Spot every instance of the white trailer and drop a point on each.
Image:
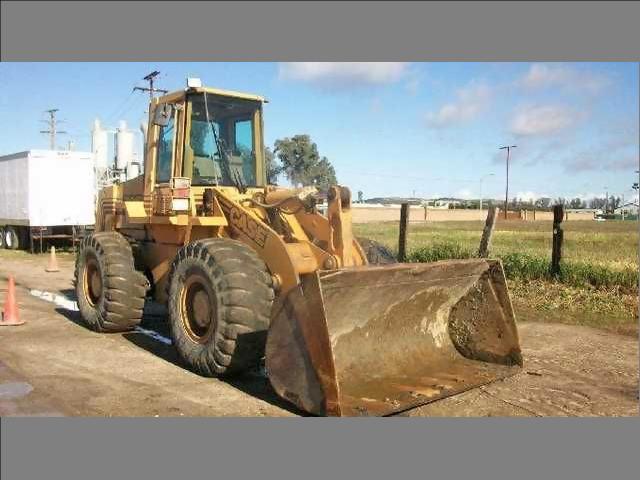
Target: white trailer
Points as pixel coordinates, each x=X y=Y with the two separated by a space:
x=45 y=194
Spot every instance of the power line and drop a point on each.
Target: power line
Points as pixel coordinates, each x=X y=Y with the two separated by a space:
x=119 y=107
x=53 y=127
x=125 y=109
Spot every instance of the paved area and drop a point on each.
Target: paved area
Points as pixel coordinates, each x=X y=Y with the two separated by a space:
x=53 y=365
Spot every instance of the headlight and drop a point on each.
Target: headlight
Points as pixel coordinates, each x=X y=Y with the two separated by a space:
x=180 y=204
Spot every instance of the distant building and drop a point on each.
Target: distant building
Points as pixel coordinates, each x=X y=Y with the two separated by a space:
x=595 y=211
x=442 y=204
x=630 y=208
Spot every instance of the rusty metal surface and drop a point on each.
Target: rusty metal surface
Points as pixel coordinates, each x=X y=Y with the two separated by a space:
x=377 y=340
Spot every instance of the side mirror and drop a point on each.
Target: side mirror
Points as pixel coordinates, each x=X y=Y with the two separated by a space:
x=162 y=114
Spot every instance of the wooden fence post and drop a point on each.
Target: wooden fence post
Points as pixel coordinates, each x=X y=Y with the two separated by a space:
x=402 y=236
x=487 y=233
x=558 y=236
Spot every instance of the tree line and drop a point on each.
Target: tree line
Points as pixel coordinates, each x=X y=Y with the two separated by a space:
x=543 y=203
x=298 y=159
x=547 y=203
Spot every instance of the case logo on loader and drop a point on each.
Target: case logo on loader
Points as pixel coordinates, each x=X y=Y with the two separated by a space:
x=247 y=225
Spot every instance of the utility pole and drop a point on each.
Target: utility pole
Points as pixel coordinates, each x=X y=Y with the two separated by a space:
x=151 y=89
x=506 y=192
x=53 y=127
x=636 y=187
x=606 y=200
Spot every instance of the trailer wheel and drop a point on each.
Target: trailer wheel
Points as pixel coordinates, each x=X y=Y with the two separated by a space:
x=377 y=254
x=2 y=244
x=220 y=298
x=110 y=291
x=12 y=238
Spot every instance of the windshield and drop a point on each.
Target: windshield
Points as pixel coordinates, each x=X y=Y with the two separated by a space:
x=222 y=149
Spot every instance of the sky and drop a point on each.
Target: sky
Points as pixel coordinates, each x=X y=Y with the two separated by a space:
x=389 y=129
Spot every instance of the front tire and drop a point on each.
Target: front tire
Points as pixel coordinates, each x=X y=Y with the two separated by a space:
x=12 y=238
x=110 y=291
x=2 y=244
x=220 y=298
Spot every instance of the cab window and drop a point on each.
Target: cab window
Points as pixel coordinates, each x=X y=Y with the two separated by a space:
x=165 y=152
x=222 y=147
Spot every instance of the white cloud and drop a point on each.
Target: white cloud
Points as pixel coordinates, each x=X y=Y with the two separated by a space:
x=600 y=159
x=343 y=74
x=470 y=102
x=542 y=75
x=543 y=120
x=464 y=193
x=628 y=163
x=531 y=196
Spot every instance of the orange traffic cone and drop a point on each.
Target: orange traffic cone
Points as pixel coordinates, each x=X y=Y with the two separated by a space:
x=53 y=263
x=10 y=316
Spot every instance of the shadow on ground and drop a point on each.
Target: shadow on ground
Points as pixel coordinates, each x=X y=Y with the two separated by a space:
x=253 y=383
x=72 y=317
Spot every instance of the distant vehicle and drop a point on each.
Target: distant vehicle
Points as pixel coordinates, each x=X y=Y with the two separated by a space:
x=45 y=194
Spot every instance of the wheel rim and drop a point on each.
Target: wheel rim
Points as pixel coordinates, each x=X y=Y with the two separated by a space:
x=8 y=239
x=92 y=281
x=198 y=306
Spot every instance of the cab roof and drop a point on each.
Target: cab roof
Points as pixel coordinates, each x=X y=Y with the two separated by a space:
x=212 y=91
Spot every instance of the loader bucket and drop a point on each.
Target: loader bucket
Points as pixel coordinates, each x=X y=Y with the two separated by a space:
x=377 y=340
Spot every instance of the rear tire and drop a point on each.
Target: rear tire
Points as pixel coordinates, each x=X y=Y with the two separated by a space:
x=110 y=291
x=12 y=238
x=2 y=244
x=377 y=254
x=220 y=297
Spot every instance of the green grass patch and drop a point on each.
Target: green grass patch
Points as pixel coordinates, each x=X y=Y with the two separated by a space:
x=606 y=308
x=525 y=266
x=439 y=251
x=613 y=244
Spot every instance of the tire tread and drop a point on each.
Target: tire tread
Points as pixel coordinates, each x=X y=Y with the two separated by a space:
x=245 y=295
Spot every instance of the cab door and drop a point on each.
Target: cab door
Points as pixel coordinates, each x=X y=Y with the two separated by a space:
x=165 y=154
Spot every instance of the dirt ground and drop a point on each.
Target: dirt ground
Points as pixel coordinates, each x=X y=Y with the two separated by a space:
x=54 y=366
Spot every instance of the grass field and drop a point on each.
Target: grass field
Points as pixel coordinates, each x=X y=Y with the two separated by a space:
x=598 y=284
x=613 y=244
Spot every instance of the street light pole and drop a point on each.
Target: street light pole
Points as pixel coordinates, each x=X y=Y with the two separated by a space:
x=482 y=178
x=506 y=191
x=636 y=187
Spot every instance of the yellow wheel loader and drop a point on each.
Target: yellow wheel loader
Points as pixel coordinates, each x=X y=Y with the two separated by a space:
x=250 y=270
